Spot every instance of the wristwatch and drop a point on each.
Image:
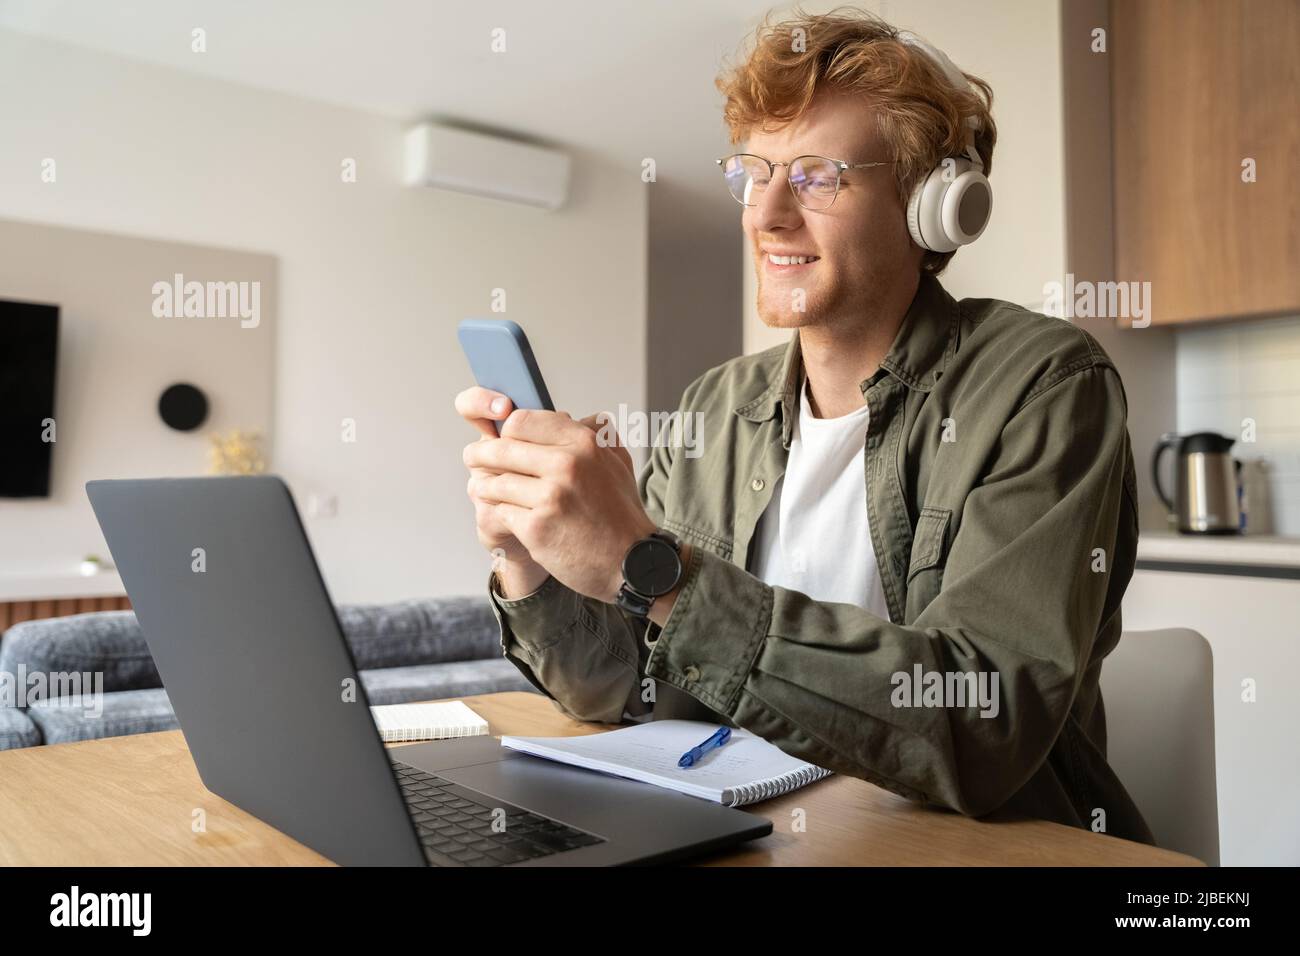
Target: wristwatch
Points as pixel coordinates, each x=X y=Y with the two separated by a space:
x=651 y=568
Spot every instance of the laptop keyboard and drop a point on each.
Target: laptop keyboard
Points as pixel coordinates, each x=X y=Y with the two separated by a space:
x=455 y=825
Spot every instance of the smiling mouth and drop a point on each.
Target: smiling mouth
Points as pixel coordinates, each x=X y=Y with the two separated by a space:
x=791 y=260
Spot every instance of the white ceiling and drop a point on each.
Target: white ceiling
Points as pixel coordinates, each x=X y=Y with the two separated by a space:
x=626 y=79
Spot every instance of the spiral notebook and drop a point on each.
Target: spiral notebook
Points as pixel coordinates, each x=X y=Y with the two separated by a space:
x=744 y=770
x=436 y=721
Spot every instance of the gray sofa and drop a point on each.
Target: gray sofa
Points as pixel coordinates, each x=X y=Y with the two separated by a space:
x=406 y=651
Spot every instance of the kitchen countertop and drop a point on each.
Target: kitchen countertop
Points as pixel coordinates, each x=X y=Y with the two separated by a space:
x=1251 y=554
x=1270 y=555
x=56 y=585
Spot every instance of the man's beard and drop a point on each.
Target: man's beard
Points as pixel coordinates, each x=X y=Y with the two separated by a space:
x=776 y=308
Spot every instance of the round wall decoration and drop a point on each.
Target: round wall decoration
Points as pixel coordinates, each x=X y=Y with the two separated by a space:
x=183 y=407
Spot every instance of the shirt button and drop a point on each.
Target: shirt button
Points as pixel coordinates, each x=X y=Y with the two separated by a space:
x=692 y=673
x=757 y=484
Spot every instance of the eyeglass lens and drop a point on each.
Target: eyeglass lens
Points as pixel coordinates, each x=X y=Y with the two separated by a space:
x=814 y=179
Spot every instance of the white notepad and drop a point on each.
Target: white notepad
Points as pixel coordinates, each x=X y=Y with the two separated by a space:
x=744 y=770
x=437 y=721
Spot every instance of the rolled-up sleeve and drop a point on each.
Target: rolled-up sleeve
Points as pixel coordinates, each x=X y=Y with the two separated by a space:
x=575 y=654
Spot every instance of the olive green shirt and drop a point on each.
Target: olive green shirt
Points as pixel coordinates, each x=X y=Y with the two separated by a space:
x=1001 y=497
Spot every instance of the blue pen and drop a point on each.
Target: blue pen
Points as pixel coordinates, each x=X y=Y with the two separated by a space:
x=692 y=756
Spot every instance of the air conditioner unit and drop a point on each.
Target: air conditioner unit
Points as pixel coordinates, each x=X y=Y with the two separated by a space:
x=483 y=165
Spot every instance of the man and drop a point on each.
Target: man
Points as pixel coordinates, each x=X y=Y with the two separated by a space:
x=902 y=550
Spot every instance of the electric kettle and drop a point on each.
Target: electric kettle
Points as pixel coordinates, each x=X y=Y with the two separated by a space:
x=1206 y=497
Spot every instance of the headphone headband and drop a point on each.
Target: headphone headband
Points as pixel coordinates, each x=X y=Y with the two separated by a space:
x=941 y=59
x=946 y=211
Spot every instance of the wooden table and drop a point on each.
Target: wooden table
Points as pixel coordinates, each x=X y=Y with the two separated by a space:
x=132 y=801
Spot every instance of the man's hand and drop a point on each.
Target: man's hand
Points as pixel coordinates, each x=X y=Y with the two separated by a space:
x=517 y=573
x=571 y=504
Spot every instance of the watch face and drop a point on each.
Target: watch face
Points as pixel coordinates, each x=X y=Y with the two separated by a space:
x=652 y=567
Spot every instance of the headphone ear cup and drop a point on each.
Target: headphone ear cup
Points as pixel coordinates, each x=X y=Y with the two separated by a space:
x=925 y=209
x=950 y=207
x=914 y=214
x=967 y=207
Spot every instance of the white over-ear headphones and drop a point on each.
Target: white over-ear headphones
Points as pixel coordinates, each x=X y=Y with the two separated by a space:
x=951 y=206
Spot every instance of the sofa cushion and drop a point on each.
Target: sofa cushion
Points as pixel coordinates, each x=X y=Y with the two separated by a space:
x=426 y=631
x=144 y=711
x=66 y=719
x=110 y=642
x=17 y=729
x=402 y=685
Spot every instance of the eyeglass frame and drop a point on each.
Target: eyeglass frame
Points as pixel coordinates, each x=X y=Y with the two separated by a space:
x=840 y=167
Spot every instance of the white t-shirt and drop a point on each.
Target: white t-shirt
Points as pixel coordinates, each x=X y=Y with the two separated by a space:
x=815 y=536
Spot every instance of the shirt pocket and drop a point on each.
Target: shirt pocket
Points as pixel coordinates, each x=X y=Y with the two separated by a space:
x=929 y=548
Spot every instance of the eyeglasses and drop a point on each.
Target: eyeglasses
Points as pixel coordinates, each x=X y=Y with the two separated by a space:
x=814 y=180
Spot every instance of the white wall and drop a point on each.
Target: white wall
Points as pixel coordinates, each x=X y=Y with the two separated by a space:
x=1015 y=46
x=373 y=278
x=694 y=297
x=115 y=357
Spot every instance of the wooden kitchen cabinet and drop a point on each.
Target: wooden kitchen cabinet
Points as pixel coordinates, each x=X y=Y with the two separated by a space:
x=1197 y=88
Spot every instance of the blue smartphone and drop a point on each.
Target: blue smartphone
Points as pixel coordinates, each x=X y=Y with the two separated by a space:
x=501 y=360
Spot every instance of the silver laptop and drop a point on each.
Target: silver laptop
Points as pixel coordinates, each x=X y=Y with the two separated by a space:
x=244 y=634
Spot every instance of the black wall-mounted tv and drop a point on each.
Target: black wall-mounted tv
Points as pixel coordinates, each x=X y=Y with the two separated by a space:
x=29 y=343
